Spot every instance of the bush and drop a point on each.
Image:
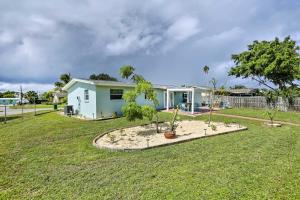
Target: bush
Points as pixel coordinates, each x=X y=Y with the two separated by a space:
x=132 y=111
x=114 y=115
x=213 y=127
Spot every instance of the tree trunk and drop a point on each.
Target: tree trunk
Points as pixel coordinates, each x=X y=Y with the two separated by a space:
x=156 y=123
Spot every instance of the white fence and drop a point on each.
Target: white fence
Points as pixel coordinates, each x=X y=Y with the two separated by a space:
x=255 y=102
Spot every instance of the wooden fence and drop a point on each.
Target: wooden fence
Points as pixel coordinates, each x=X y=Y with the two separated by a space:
x=254 y=102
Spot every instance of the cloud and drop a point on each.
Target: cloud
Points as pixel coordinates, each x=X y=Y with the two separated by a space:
x=25 y=87
x=183 y=28
x=167 y=41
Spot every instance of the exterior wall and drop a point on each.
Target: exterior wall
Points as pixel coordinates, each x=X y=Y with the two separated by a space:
x=198 y=98
x=84 y=108
x=106 y=107
x=178 y=98
x=9 y=101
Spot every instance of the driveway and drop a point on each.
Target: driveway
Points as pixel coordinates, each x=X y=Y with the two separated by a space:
x=19 y=111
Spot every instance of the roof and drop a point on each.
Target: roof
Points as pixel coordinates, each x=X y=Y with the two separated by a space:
x=124 y=84
x=187 y=88
x=106 y=83
x=60 y=94
x=242 y=91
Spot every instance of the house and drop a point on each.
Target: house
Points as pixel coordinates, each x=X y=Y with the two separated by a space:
x=9 y=101
x=95 y=99
x=58 y=96
x=243 y=92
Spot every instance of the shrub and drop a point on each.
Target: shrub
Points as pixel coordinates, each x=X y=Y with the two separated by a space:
x=114 y=115
x=213 y=127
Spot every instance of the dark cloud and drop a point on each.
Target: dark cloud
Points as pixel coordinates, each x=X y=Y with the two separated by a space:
x=167 y=41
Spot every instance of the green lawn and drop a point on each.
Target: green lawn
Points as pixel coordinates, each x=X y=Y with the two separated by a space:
x=259 y=113
x=30 y=106
x=51 y=157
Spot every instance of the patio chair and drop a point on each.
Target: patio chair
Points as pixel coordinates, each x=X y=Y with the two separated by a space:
x=184 y=107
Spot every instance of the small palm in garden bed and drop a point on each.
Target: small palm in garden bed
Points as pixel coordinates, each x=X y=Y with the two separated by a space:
x=170 y=134
x=271 y=115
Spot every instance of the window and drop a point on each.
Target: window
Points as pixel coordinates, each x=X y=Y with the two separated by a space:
x=86 y=95
x=184 y=97
x=116 y=94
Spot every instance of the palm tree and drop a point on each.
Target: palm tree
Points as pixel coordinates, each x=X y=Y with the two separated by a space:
x=213 y=81
x=65 y=78
x=205 y=69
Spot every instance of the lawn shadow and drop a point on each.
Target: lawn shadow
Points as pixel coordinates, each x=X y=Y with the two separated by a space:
x=44 y=112
x=9 y=118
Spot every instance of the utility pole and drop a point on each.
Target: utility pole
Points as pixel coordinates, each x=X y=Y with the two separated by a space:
x=21 y=97
x=34 y=106
x=4 y=114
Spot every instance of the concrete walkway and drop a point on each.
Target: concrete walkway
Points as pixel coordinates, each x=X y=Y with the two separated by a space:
x=253 y=118
x=10 y=111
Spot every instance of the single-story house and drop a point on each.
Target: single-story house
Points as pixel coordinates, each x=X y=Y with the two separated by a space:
x=95 y=99
x=58 y=96
x=243 y=92
x=9 y=101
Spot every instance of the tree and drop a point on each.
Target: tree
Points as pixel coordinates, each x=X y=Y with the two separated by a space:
x=64 y=79
x=48 y=96
x=205 y=69
x=31 y=96
x=222 y=91
x=9 y=94
x=213 y=81
x=102 y=76
x=132 y=110
x=276 y=62
x=127 y=71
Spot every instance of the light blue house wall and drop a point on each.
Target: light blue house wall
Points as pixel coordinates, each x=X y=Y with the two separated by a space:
x=84 y=108
x=178 y=98
x=99 y=104
x=9 y=101
x=106 y=106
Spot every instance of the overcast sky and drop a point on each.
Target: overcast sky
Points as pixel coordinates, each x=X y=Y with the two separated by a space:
x=166 y=41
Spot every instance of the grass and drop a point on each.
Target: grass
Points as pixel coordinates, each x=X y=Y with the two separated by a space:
x=259 y=113
x=51 y=157
x=31 y=106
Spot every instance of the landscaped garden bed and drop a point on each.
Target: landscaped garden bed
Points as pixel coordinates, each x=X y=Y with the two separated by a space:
x=143 y=137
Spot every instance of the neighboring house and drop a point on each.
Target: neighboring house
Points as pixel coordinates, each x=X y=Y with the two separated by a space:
x=94 y=99
x=9 y=101
x=243 y=92
x=58 y=96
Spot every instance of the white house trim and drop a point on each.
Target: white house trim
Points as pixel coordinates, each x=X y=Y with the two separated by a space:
x=105 y=83
x=191 y=95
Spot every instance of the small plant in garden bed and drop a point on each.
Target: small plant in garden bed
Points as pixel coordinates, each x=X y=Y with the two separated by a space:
x=271 y=115
x=226 y=123
x=122 y=131
x=170 y=134
x=112 y=138
x=213 y=127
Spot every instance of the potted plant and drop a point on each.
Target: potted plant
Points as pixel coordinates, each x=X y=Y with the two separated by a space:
x=170 y=133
